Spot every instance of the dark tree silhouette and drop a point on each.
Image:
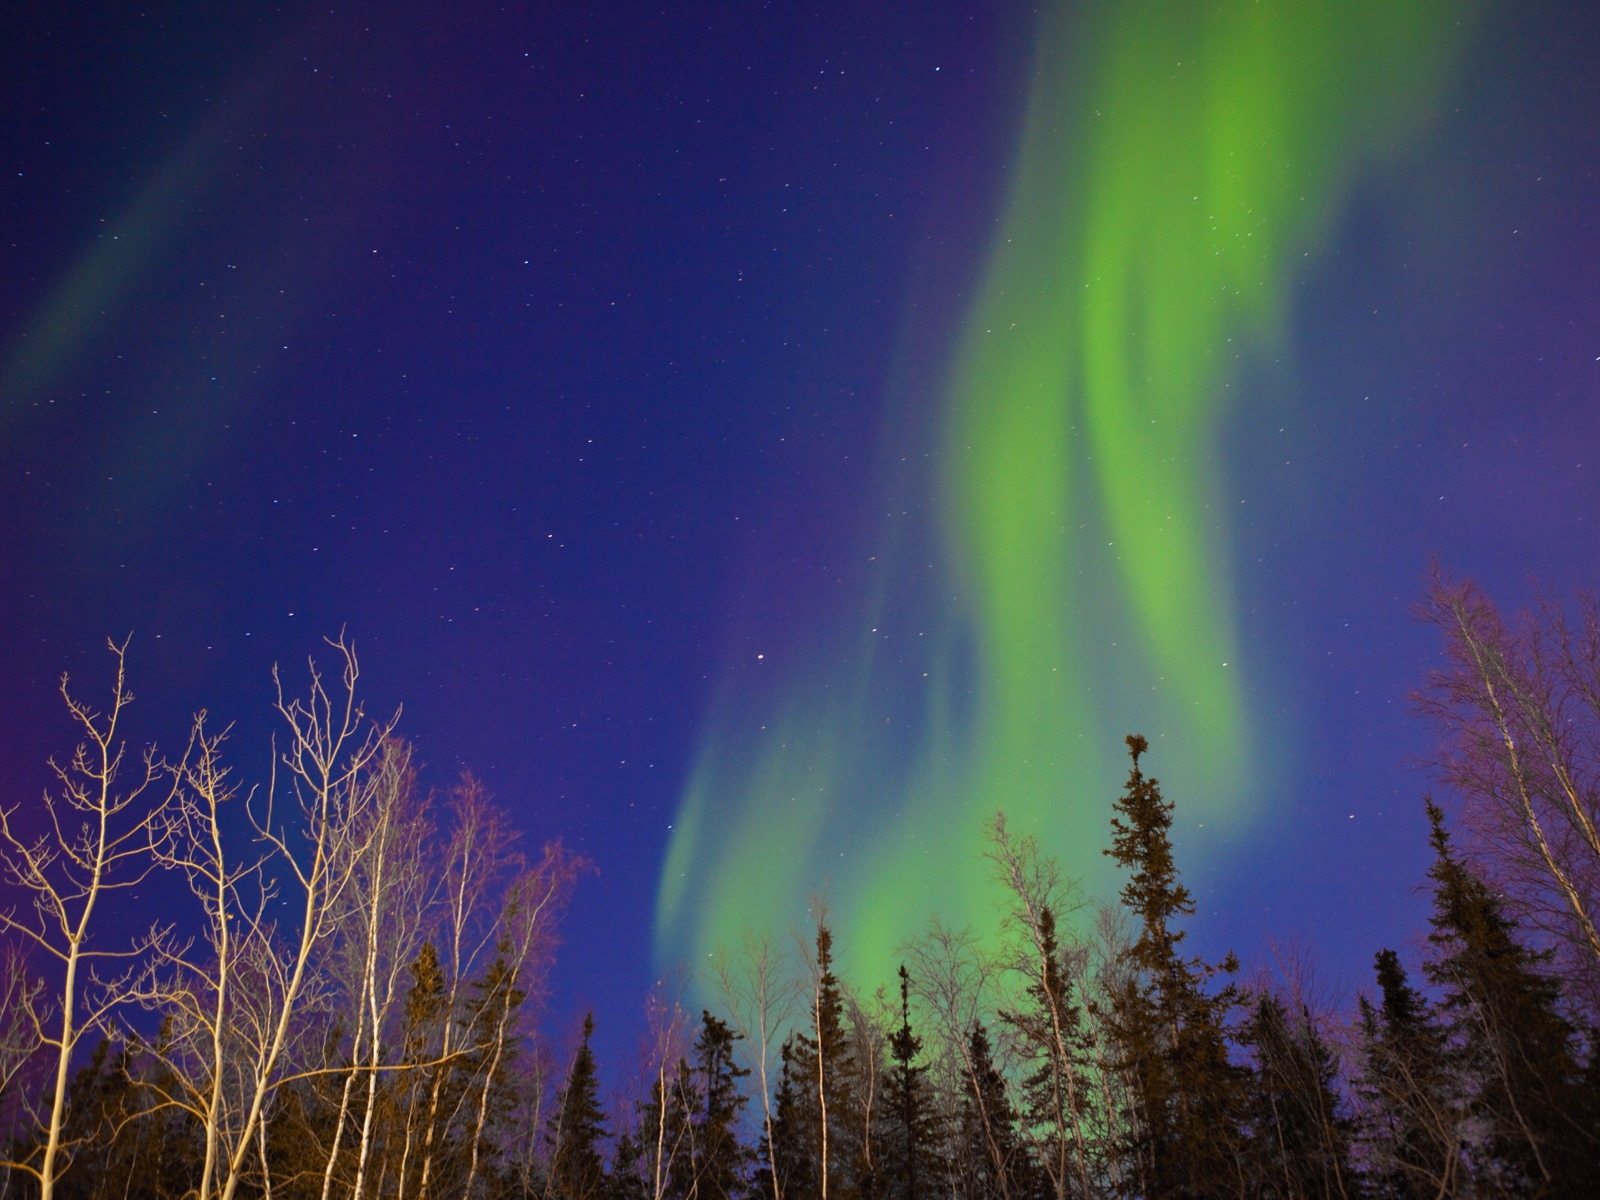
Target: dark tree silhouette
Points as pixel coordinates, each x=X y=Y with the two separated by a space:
x=721 y=1160
x=577 y=1130
x=1300 y=1138
x=990 y=1157
x=911 y=1133
x=1411 y=1126
x=1184 y=1137
x=1533 y=1118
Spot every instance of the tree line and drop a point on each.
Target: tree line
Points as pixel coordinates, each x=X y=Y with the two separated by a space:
x=352 y=1010
x=342 y=1007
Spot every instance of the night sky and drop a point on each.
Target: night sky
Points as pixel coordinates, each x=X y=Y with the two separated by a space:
x=630 y=385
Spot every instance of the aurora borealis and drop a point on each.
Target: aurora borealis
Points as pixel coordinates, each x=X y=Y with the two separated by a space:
x=1171 y=172
x=761 y=442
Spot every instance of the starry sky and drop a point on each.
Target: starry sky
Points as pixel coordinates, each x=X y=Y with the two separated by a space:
x=626 y=383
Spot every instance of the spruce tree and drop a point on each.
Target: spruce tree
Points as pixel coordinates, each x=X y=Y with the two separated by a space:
x=577 y=1129
x=721 y=1160
x=1534 y=1124
x=911 y=1151
x=793 y=1149
x=1300 y=1139
x=626 y=1179
x=989 y=1157
x=819 y=1146
x=1184 y=1137
x=423 y=1016
x=486 y=1071
x=424 y=1003
x=1411 y=1121
x=836 y=1080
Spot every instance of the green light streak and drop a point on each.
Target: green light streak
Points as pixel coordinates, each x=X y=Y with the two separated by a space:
x=109 y=269
x=1176 y=163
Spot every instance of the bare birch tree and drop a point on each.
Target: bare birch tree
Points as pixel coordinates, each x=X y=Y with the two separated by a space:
x=328 y=770
x=524 y=1138
x=383 y=924
x=234 y=1003
x=19 y=1040
x=1106 y=973
x=480 y=857
x=868 y=1042
x=665 y=1044
x=759 y=996
x=314 y=899
x=195 y=993
x=1038 y=898
x=97 y=842
x=954 y=980
x=1519 y=707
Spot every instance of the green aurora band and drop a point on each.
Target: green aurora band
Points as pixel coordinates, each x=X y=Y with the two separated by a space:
x=1177 y=162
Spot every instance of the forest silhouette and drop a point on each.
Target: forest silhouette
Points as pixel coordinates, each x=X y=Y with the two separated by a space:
x=350 y=1003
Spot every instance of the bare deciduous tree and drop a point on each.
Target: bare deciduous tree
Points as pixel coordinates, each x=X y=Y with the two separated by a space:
x=97 y=843
x=383 y=926
x=664 y=1044
x=1107 y=973
x=868 y=1043
x=954 y=979
x=1039 y=897
x=760 y=998
x=195 y=993
x=285 y=999
x=1519 y=707
x=480 y=856
x=233 y=1002
x=19 y=1036
x=328 y=766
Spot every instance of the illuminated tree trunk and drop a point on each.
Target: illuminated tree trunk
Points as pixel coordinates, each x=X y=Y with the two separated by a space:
x=1520 y=712
x=68 y=874
x=758 y=1000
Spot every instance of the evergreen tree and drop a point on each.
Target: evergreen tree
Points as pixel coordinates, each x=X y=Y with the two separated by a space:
x=794 y=1146
x=1411 y=1122
x=990 y=1157
x=911 y=1138
x=818 y=1146
x=424 y=1003
x=162 y=1148
x=577 y=1129
x=1534 y=1122
x=721 y=1160
x=1300 y=1143
x=626 y=1180
x=840 y=1154
x=488 y=1097
x=423 y=1014
x=1184 y=1137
